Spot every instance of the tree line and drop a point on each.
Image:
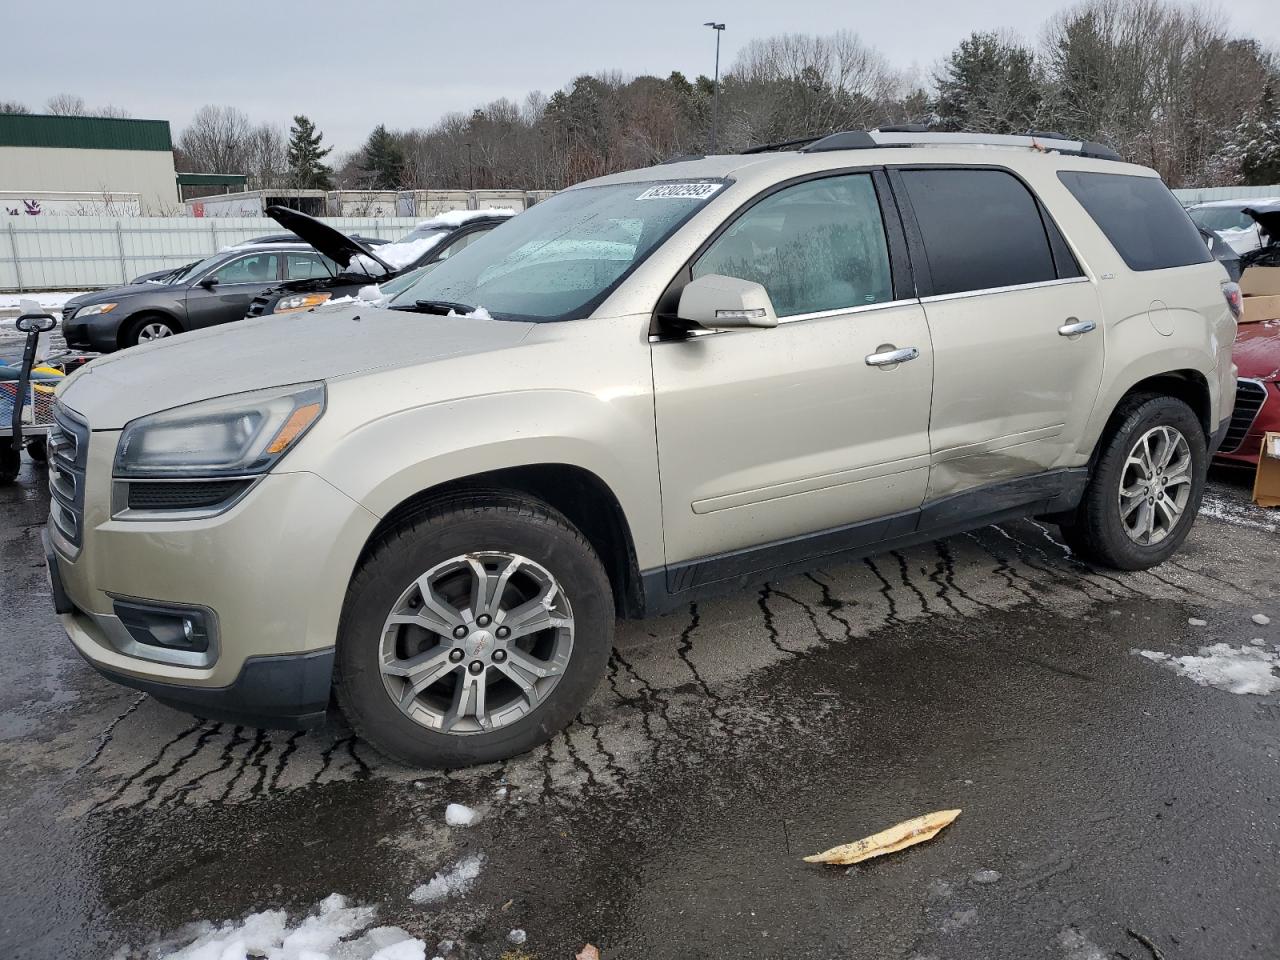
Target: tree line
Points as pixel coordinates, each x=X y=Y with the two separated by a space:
x=1167 y=86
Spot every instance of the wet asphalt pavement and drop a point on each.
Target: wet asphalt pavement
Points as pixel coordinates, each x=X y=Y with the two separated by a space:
x=991 y=672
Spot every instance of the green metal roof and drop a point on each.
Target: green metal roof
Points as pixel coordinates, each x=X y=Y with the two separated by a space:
x=88 y=133
x=212 y=179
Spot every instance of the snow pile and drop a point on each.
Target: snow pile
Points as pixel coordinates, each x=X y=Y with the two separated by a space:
x=399 y=255
x=328 y=933
x=450 y=883
x=1248 y=669
x=1261 y=619
x=479 y=313
x=456 y=218
x=50 y=301
x=458 y=815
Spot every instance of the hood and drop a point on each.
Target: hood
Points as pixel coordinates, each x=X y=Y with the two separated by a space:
x=323 y=344
x=334 y=244
x=115 y=293
x=1267 y=216
x=1257 y=350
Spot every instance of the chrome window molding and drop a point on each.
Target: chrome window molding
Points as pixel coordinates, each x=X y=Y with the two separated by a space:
x=797 y=318
x=985 y=291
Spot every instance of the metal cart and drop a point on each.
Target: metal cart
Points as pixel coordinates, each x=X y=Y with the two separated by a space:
x=26 y=401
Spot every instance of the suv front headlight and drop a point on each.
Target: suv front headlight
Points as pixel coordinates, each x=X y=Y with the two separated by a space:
x=237 y=436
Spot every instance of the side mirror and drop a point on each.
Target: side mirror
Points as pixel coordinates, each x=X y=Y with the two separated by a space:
x=209 y=282
x=715 y=302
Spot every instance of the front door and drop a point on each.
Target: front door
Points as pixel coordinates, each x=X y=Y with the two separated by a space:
x=790 y=436
x=1016 y=327
x=238 y=282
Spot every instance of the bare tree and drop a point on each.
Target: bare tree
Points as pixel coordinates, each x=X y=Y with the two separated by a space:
x=13 y=106
x=216 y=140
x=66 y=105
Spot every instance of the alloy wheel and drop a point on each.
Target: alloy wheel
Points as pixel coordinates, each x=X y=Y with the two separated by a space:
x=1155 y=485
x=154 y=331
x=476 y=643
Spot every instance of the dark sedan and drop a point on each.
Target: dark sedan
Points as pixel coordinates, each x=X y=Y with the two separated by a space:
x=215 y=290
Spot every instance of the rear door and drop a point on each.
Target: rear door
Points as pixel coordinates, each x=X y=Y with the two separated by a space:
x=788 y=436
x=1016 y=326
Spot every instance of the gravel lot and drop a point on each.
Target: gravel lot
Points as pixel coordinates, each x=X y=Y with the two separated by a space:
x=1108 y=797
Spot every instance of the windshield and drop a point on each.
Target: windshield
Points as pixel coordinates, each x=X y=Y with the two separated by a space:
x=560 y=259
x=198 y=268
x=1222 y=218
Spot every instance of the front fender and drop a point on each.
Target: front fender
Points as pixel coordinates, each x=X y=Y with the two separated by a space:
x=384 y=461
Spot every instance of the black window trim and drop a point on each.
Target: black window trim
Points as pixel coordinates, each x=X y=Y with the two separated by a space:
x=665 y=326
x=915 y=240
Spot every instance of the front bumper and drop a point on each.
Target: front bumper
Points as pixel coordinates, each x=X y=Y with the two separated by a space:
x=100 y=337
x=273 y=569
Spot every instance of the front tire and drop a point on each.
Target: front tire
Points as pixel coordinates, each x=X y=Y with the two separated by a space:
x=473 y=631
x=1146 y=486
x=38 y=449
x=10 y=461
x=147 y=329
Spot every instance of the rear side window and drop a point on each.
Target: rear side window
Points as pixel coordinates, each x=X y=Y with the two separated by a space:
x=981 y=229
x=1141 y=218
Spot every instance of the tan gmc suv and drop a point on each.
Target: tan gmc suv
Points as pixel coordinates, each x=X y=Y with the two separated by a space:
x=652 y=386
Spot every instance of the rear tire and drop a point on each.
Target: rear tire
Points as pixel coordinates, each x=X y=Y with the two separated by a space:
x=1146 y=485
x=10 y=461
x=461 y=694
x=38 y=450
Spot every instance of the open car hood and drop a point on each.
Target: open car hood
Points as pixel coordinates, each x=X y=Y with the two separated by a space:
x=334 y=244
x=1267 y=216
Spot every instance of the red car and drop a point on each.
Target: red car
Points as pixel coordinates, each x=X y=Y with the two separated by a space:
x=1257 y=354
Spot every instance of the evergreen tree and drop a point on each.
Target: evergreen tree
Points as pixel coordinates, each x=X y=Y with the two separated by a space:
x=1253 y=148
x=383 y=162
x=307 y=169
x=989 y=85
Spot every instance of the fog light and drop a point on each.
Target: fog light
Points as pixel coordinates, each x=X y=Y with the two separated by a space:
x=175 y=628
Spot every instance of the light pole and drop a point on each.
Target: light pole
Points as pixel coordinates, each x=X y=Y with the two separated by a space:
x=715 y=84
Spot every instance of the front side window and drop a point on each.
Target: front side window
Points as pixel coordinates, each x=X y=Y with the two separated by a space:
x=817 y=246
x=562 y=257
x=981 y=229
x=1142 y=219
x=257 y=268
x=308 y=266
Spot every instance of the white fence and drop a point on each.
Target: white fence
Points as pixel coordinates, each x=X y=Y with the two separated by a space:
x=81 y=253
x=1192 y=195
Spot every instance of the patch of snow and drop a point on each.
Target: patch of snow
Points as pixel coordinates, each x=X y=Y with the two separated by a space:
x=1196 y=622
x=456 y=218
x=479 y=313
x=959 y=920
x=1076 y=946
x=50 y=301
x=399 y=254
x=986 y=876
x=1242 y=670
x=450 y=883
x=517 y=937
x=1261 y=619
x=327 y=933
x=1240 y=514
x=459 y=815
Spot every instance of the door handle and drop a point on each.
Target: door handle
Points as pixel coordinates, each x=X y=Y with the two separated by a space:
x=892 y=355
x=1076 y=327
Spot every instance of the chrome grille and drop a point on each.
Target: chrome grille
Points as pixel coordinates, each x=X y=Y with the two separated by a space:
x=1251 y=395
x=68 y=446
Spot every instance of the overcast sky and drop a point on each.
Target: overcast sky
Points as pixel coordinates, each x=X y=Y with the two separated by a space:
x=350 y=65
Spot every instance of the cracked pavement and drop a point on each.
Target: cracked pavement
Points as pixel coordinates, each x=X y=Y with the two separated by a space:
x=991 y=671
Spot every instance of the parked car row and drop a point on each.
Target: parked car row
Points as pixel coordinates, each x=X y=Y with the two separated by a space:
x=310 y=265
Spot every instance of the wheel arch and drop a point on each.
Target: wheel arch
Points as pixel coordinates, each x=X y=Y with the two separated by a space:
x=1184 y=383
x=580 y=495
x=129 y=323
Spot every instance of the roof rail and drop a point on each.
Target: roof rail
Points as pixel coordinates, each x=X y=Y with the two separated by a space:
x=896 y=137
x=784 y=144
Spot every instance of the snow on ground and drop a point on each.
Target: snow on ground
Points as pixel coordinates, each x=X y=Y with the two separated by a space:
x=1240 y=513
x=459 y=815
x=1076 y=946
x=1245 y=669
x=50 y=301
x=333 y=930
x=450 y=883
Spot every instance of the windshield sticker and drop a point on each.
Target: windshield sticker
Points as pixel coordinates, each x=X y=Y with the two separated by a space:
x=681 y=191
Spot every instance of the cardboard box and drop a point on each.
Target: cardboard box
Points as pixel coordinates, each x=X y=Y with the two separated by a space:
x=1259 y=308
x=1260 y=282
x=1266 y=482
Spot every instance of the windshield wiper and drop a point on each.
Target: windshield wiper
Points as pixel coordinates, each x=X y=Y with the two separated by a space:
x=439 y=307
